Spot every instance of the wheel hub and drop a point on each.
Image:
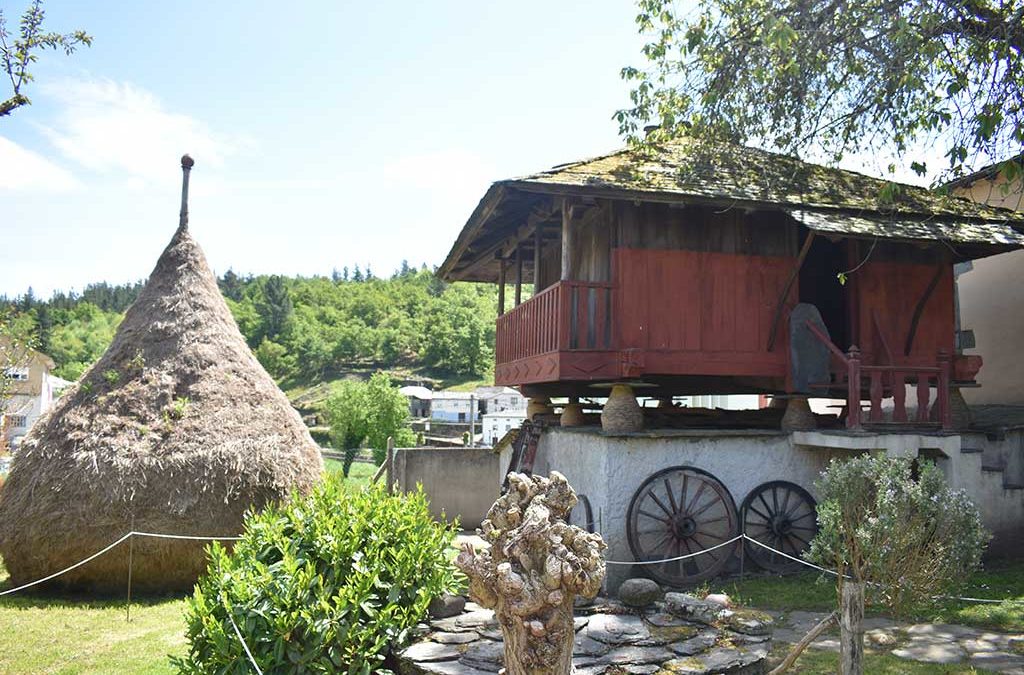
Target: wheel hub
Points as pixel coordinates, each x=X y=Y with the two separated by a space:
x=683 y=526
x=781 y=525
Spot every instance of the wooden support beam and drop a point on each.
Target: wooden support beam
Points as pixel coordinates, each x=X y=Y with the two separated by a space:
x=519 y=276
x=919 y=309
x=804 y=250
x=538 y=246
x=567 y=240
x=501 y=286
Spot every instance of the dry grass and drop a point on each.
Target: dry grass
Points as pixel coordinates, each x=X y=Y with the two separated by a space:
x=176 y=429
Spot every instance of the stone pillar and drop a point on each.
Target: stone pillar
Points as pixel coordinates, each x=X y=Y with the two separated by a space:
x=798 y=415
x=572 y=414
x=622 y=413
x=538 y=406
x=537 y=563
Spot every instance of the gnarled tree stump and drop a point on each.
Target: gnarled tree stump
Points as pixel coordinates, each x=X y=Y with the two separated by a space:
x=536 y=565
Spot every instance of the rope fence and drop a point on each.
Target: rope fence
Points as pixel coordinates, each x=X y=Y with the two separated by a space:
x=109 y=547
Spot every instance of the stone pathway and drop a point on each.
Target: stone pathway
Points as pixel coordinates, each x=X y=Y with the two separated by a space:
x=930 y=643
x=672 y=638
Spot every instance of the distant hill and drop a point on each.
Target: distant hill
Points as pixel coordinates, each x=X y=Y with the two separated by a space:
x=304 y=330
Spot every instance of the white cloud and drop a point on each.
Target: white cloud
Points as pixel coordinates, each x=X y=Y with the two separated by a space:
x=22 y=169
x=118 y=128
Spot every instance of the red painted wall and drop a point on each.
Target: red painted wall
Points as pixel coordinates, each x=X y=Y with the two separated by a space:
x=715 y=305
x=892 y=290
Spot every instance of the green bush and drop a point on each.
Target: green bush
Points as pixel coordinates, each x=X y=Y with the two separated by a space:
x=897 y=525
x=326 y=583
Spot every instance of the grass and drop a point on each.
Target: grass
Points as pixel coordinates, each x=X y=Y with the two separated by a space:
x=811 y=592
x=819 y=662
x=67 y=636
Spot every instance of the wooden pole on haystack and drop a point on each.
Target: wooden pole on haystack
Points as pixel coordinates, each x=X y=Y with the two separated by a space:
x=186 y=166
x=131 y=556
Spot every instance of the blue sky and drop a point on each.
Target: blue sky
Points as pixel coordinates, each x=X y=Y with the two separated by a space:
x=325 y=133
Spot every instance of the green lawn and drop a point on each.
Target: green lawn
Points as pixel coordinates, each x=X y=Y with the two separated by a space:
x=42 y=634
x=817 y=662
x=813 y=593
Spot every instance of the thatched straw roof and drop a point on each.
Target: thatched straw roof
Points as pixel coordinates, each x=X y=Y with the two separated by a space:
x=177 y=429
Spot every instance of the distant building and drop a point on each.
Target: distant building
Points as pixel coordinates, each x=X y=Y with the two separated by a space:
x=497 y=424
x=33 y=390
x=419 y=401
x=454 y=406
x=461 y=406
x=499 y=399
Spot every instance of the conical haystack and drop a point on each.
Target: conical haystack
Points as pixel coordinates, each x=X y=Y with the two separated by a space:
x=176 y=429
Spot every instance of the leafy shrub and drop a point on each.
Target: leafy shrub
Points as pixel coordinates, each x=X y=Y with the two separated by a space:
x=326 y=583
x=909 y=538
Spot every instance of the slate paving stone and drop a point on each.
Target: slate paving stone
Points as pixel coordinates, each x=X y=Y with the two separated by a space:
x=931 y=650
x=449 y=668
x=617 y=629
x=1002 y=662
x=489 y=656
x=625 y=655
x=584 y=645
x=454 y=638
x=492 y=633
x=430 y=651
x=695 y=645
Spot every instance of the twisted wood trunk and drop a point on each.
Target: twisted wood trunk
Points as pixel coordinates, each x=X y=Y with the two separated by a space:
x=536 y=565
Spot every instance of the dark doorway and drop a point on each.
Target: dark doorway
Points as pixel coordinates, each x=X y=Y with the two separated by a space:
x=819 y=286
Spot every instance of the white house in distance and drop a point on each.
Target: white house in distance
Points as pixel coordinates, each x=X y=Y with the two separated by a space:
x=497 y=424
x=33 y=390
x=461 y=406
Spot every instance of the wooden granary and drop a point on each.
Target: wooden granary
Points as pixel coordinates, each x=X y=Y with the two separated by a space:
x=681 y=268
x=702 y=268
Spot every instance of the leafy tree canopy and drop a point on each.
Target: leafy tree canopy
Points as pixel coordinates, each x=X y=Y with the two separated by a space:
x=879 y=77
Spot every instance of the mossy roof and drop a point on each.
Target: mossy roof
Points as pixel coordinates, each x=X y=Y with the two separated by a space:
x=689 y=171
x=720 y=171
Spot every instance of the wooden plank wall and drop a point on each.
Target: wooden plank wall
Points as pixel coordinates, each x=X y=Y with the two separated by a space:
x=892 y=290
x=697 y=301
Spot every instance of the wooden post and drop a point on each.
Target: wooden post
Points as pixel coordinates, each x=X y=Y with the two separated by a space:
x=519 y=274
x=501 y=286
x=390 y=462
x=538 y=244
x=853 y=390
x=942 y=390
x=131 y=555
x=567 y=241
x=851 y=628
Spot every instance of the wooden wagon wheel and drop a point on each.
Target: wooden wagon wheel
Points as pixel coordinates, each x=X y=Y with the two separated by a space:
x=582 y=515
x=679 y=511
x=782 y=515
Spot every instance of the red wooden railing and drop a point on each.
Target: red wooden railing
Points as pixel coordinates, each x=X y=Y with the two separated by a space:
x=568 y=315
x=878 y=380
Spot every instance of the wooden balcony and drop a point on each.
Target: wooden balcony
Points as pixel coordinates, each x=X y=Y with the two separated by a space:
x=565 y=330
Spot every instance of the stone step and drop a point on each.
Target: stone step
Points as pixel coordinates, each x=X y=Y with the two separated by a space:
x=970 y=451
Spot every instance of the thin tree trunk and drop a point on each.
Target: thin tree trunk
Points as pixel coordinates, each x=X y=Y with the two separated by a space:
x=799 y=647
x=851 y=629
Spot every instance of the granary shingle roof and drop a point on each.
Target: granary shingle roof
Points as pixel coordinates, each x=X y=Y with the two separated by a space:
x=689 y=171
x=721 y=171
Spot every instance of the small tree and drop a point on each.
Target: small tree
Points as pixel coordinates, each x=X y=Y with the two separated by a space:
x=899 y=536
x=19 y=52
x=371 y=412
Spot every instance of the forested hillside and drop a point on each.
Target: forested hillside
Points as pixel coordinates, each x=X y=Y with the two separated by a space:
x=303 y=330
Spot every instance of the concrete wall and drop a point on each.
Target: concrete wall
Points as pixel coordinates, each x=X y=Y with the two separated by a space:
x=609 y=469
x=991 y=298
x=459 y=482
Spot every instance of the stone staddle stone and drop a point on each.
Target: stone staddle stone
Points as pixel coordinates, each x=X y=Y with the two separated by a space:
x=798 y=415
x=622 y=413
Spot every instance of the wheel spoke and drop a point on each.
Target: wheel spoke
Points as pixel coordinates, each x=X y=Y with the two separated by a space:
x=682 y=492
x=767 y=519
x=651 y=515
x=671 y=497
x=713 y=502
x=696 y=497
x=660 y=504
